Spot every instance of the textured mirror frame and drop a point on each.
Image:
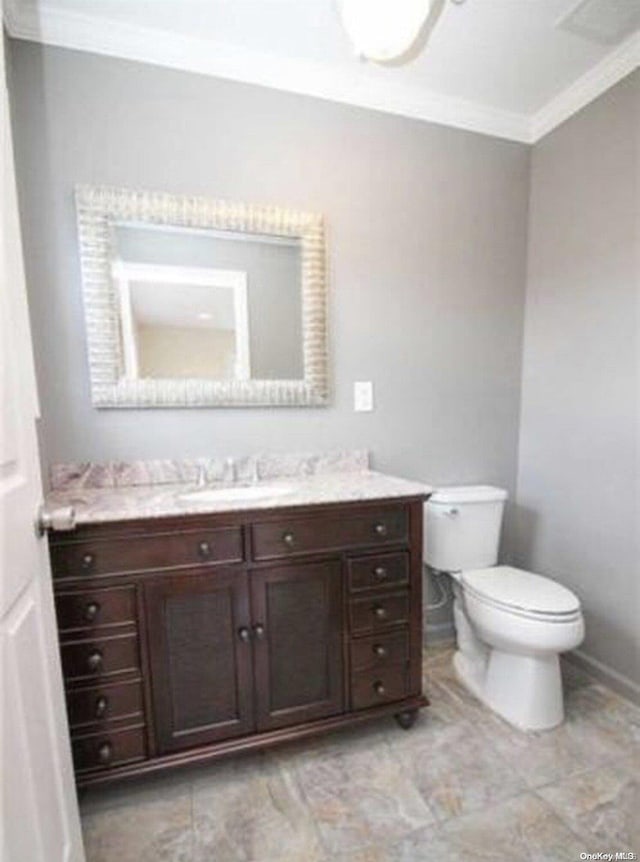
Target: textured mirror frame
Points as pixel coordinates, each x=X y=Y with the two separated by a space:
x=99 y=209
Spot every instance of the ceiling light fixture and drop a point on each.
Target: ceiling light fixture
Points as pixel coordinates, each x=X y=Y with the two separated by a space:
x=383 y=30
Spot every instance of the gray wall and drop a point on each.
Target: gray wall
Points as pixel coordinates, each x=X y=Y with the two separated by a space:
x=427 y=244
x=578 y=474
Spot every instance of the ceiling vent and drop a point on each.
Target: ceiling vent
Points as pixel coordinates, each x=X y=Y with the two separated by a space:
x=605 y=22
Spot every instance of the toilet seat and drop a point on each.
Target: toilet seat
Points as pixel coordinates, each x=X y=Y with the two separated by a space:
x=522 y=594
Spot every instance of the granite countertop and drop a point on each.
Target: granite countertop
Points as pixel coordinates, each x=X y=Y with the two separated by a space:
x=101 y=505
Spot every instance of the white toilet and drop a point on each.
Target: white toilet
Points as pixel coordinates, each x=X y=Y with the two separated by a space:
x=511 y=625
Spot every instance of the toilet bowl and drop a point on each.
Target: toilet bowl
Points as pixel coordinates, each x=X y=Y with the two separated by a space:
x=522 y=679
x=511 y=625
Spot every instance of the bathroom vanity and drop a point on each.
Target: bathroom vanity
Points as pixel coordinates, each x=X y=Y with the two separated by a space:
x=185 y=636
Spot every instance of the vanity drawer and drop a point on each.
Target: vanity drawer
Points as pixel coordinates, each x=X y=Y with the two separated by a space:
x=378 y=571
x=379 y=686
x=99 y=657
x=104 y=703
x=378 y=612
x=102 y=750
x=152 y=552
x=286 y=537
x=96 y=608
x=380 y=650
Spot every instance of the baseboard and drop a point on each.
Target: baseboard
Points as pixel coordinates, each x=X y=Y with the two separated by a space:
x=603 y=673
x=439 y=633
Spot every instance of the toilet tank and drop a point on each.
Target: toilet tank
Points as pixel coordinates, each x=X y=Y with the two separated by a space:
x=462 y=527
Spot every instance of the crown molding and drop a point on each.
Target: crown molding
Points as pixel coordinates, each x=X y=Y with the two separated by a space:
x=613 y=68
x=347 y=85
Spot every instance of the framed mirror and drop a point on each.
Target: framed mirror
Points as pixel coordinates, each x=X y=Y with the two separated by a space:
x=191 y=302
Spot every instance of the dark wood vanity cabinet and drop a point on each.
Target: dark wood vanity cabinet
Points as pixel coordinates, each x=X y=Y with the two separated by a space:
x=184 y=639
x=199 y=656
x=297 y=649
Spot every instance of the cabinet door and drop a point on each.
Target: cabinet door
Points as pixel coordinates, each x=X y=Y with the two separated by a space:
x=297 y=616
x=200 y=658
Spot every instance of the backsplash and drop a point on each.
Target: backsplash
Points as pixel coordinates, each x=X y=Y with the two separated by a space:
x=118 y=474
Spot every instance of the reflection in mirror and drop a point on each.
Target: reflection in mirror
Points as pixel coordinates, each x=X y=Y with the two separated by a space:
x=182 y=322
x=204 y=304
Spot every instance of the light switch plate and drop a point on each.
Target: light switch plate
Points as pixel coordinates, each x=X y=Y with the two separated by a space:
x=363 y=396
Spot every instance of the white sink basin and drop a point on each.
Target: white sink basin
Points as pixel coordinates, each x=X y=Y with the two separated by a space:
x=235 y=494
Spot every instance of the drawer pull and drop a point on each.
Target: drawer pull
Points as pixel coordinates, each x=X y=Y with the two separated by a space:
x=204 y=549
x=380 y=573
x=289 y=539
x=94 y=660
x=258 y=630
x=380 y=650
x=380 y=529
x=105 y=752
x=87 y=561
x=379 y=688
x=244 y=634
x=102 y=704
x=91 y=611
x=380 y=613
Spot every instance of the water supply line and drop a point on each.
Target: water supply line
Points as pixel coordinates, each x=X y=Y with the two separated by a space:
x=440 y=582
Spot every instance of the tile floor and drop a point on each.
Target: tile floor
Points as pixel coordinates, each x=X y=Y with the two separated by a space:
x=461 y=785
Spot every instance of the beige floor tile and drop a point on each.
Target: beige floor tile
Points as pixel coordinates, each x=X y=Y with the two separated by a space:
x=444 y=678
x=453 y=788
x=523 y=829
x=573 y=677
x=602 y=803
x=251 y=812
x=598 y=729
x=365 y=737
x=377 y=853
x=437 y=656
x=454 y=769
x=361 y=798
x=604 y=724
x=148 y=830
x=538 y=758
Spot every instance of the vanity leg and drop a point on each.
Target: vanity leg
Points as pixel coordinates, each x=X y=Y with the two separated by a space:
x=407 y=718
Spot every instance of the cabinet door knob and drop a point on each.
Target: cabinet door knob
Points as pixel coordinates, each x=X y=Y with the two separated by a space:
x=204 y=549
x=91 y=611
x=102 y=704
x=258 y=630
x=380 y=573
x=94 y=660
x=380 y=650
x=289 y=539
x=244 y=634
x=87 y=561
x=378 y=687
x=380 y=612
x=380 y=529
x=105 y=752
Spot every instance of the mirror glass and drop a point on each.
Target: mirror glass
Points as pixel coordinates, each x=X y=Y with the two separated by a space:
x=207 y=304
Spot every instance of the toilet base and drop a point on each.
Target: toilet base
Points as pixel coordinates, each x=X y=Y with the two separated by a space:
x=524 y=690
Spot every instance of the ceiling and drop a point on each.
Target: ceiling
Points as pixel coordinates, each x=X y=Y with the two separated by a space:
x=511 y=68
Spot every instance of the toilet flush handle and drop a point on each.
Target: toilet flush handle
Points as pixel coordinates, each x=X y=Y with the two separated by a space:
x=452 y=512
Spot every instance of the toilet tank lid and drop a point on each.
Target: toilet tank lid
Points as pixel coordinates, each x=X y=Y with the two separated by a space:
x=468 y=494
